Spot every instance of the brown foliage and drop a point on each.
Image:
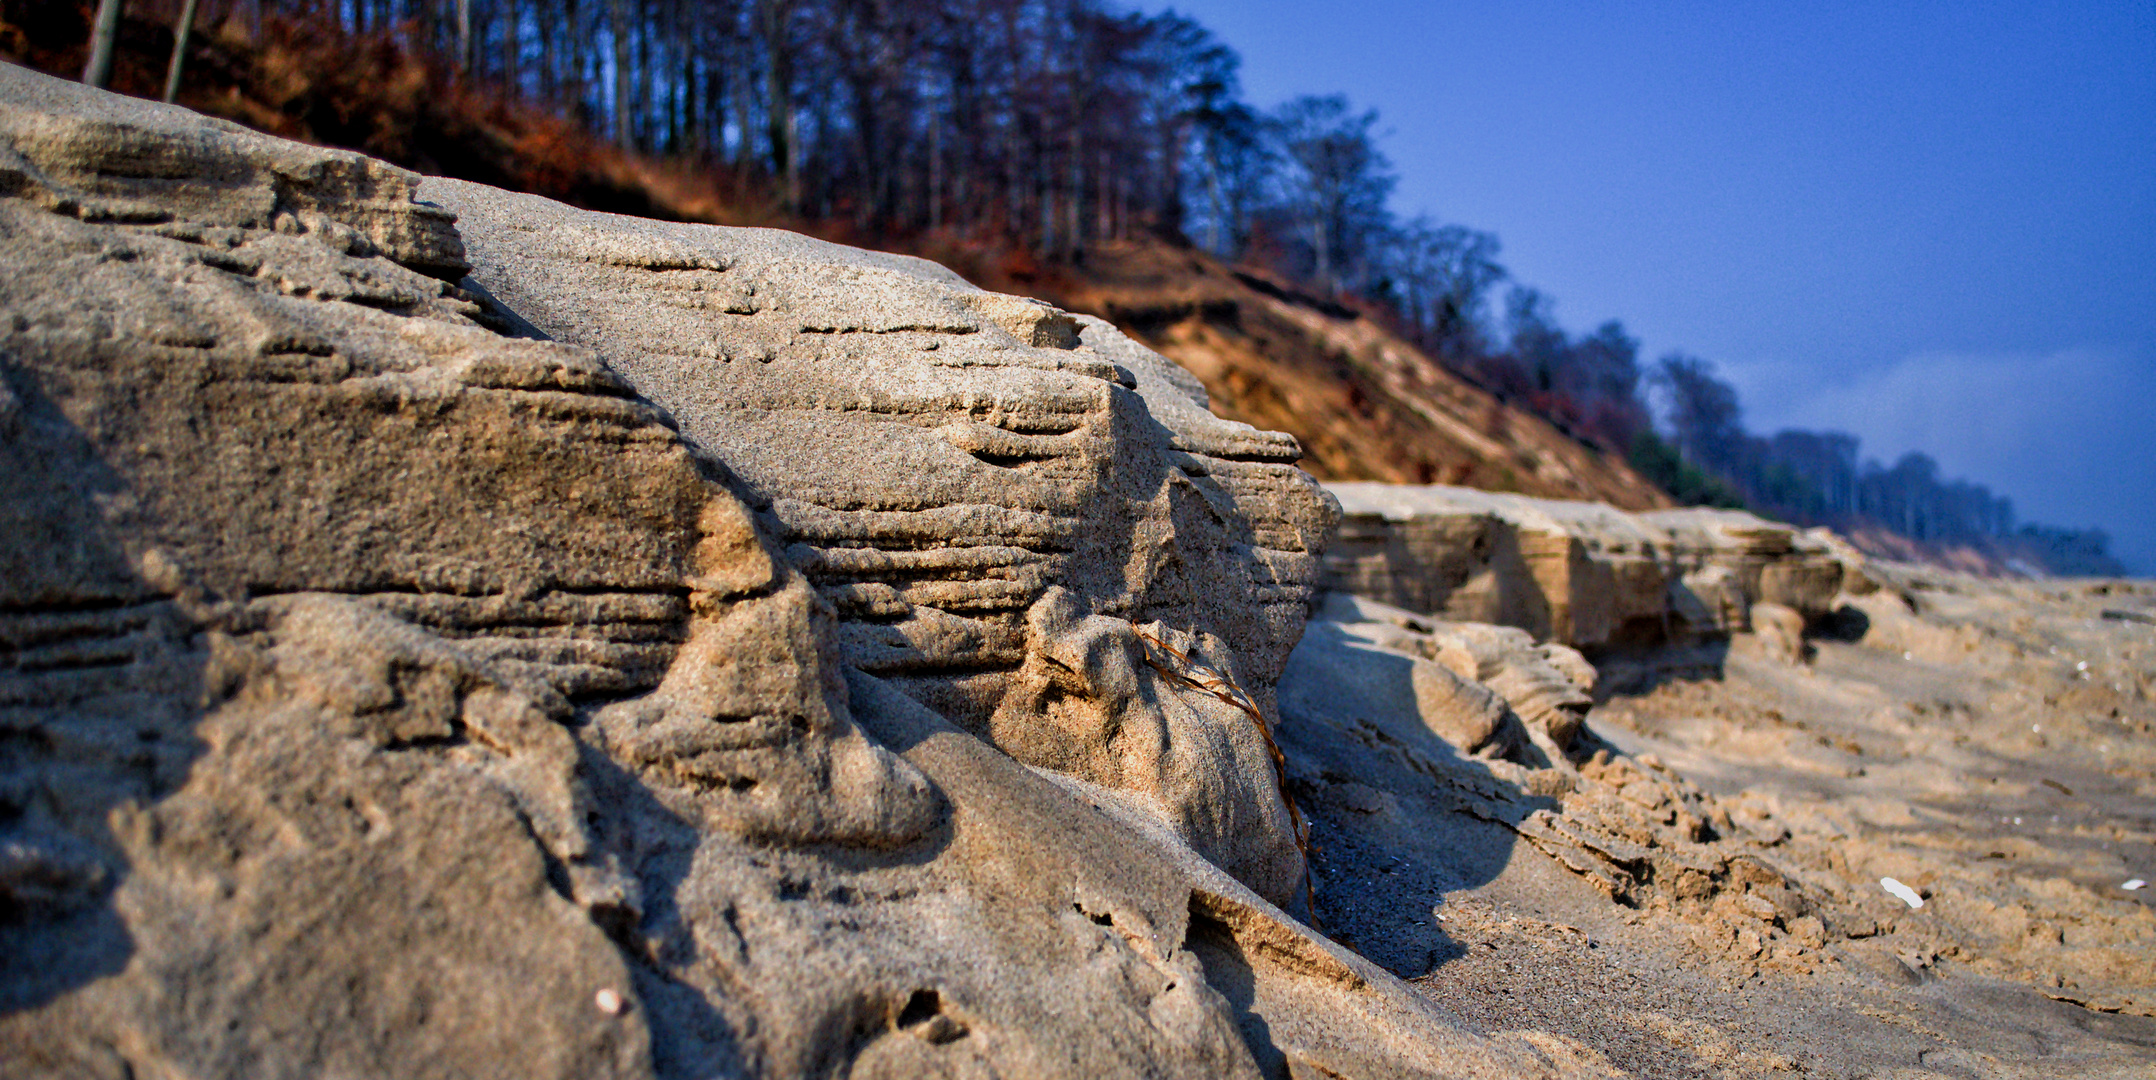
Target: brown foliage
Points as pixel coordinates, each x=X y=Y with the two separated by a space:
x=308 y=80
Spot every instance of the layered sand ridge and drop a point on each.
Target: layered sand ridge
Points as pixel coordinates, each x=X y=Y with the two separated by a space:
x=1583 y=574
x=625 y=659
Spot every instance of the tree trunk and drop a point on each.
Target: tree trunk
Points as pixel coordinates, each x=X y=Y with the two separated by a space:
x=646 y=113
x=1321 y=244
x=180 y=33
x=549 y=57
x=512 y=47
x=464 y=37
x=569 y=85
x=1220 y=204
x=1074 y=215
x=744 y=97
x=685 y=136
x=781 y=117
x=104 y=33
x=688 y=130
x=618 y=29
x=935 y=172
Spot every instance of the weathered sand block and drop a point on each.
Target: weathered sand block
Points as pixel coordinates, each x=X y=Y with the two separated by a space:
x=1583 y=574
x=996 y=497
x=386 y=695
x=1472 y=684
x=1769 y=562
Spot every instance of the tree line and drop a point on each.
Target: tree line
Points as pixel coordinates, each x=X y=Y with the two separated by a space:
x=1818 y=478
x=1055 y=125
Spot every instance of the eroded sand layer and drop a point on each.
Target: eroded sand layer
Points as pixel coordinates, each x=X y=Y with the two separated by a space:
x=1702 y=897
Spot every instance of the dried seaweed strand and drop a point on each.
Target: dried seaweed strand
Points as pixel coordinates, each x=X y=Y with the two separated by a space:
x=1208 y=680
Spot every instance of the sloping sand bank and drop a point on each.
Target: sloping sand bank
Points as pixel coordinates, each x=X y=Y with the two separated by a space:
x=1702 y=895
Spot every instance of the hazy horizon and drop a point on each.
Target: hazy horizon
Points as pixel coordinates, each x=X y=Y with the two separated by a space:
x=1932 y=227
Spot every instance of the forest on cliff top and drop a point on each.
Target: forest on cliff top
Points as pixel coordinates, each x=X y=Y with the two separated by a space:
x=1026 y=134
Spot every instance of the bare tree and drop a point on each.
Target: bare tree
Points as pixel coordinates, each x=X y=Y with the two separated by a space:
x=1703 y=411
x=774 y=19
x=1338 y=186
x=180 y=33
x=104 y=33
x=618 y=36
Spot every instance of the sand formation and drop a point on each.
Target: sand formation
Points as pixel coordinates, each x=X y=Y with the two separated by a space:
x=448 y=633
x=401 y=694
x=1579 y=573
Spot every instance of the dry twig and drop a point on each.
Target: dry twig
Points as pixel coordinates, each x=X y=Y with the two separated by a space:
x=1190 y=673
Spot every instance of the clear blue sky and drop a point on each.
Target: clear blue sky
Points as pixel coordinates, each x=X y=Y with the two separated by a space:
x=1932 y=225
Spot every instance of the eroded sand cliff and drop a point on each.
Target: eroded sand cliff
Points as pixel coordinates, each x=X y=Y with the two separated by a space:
x=448 y=633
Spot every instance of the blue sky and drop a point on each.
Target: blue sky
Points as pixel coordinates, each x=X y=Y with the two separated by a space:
x=1932 y=225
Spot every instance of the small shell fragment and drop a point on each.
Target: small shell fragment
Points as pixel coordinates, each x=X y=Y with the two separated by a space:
x=1901 y=892
x=2134 y=885
x=608 y=1001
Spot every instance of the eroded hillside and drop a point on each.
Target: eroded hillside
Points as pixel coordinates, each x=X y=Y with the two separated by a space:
x=1364 y=403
